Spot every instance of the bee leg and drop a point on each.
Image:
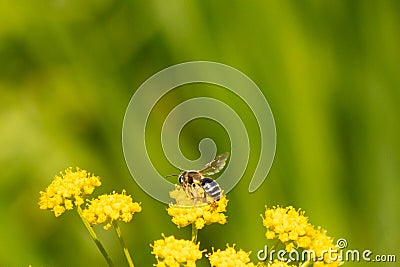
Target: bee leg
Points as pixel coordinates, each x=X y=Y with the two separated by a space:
x=194 y=194
x=205 y=197
x=187 y=191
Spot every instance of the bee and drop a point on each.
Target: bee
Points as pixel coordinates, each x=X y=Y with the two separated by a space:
x=191 y=180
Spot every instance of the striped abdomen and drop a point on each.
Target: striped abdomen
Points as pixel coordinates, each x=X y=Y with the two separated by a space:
x=211 y=187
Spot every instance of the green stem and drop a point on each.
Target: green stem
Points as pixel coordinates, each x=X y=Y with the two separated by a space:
x=305 y=264
x=195 y=232
x=122 y=242
x=95 y=239
x=275 y=245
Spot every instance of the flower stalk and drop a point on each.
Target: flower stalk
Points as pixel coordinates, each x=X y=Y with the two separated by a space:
x=195 y=232
x=122 y=242
x=95 y=239
x=305 y=264
x=275 y=245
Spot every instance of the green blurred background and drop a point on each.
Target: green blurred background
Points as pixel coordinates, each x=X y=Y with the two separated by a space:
x=329 y=70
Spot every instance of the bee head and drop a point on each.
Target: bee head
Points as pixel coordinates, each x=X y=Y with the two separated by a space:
x=182 y=177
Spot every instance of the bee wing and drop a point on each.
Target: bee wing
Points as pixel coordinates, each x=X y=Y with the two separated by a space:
x=216 y=165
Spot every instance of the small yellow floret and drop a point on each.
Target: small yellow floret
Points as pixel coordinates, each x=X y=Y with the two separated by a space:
x=109 y=208
x=176 y=252
x=230 y=257
x=68 y=190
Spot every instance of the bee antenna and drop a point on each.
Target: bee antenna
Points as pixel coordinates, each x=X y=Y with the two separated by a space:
x=170 y=175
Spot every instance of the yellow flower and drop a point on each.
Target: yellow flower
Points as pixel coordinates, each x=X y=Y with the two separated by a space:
x=199 y=214
x=292 y=228
x=287 y=224
x=174 y=252
x=68 y=190
x=109 y=208
x=230 y=257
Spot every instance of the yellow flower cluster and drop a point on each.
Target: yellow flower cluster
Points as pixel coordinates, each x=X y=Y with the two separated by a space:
x=176 y=252
x=288 y=225
x=230 y=257
x=68 y=190
x=292 y=228
x=200 y=215
x=109 y=208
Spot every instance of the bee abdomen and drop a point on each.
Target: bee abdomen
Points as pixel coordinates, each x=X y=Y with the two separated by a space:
x=211 y=187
